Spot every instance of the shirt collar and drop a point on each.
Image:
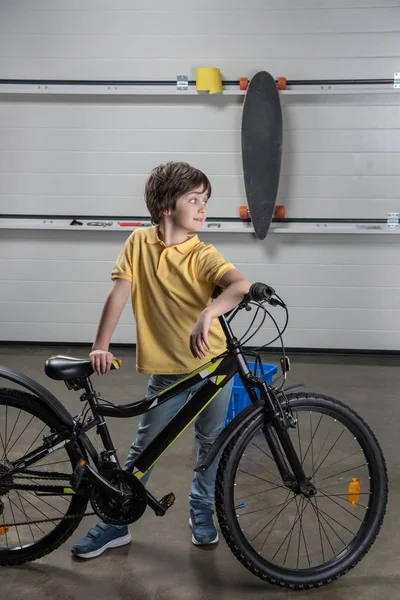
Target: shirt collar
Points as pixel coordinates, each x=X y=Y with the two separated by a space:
x=183 y=248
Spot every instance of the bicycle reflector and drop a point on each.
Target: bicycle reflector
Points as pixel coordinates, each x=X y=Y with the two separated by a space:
x=353 y=492
x=3 y=530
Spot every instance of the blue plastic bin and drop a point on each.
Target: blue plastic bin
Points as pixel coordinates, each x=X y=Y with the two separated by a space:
x=239 y=398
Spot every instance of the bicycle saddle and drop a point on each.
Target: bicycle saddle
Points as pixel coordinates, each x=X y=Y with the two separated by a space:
x=67 y=367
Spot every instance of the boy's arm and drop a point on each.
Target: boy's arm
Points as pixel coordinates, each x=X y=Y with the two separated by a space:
x=236 y=287
x=100 y=357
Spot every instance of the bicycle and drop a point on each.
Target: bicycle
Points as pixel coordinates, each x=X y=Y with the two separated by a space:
x=294 y=468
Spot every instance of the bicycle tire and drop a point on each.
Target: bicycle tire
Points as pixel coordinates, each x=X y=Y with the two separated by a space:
x=227 y=512
x=23 y=401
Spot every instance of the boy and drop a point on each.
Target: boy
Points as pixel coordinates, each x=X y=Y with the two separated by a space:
x=170 y=276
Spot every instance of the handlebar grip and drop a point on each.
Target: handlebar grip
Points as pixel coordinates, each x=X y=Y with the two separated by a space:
x=260 y=291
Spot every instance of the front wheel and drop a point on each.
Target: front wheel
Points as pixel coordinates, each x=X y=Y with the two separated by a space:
x=279 y=534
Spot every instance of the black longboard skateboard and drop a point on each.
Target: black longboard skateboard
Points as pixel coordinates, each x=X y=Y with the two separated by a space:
x=261 y=149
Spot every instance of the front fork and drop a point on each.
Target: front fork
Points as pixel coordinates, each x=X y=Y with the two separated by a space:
x=276 y=434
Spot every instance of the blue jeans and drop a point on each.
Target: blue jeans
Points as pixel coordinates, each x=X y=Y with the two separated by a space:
x=208 y=426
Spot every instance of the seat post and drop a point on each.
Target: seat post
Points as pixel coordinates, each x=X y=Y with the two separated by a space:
x=110 y=452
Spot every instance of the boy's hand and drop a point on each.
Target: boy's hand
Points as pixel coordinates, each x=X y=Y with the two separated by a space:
x=199 y=336
x=101 y=361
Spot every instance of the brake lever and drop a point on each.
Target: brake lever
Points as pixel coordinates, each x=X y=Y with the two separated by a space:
x=276 y=302
x=245 y=303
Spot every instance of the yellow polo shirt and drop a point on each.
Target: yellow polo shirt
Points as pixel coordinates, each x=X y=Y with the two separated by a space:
x=170 y=288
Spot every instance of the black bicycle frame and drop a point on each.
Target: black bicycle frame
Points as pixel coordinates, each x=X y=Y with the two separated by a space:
x=214 y=375
x=211 y=378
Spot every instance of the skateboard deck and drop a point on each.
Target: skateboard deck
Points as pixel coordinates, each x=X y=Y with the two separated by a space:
x=261 y=149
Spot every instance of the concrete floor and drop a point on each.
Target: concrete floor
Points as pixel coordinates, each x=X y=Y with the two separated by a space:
x=161 y=562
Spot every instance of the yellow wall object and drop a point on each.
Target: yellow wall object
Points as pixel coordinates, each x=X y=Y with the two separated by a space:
x=208 y=80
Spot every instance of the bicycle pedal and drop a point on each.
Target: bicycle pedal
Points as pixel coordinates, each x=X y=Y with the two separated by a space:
x=167 y=501
x=77 y=475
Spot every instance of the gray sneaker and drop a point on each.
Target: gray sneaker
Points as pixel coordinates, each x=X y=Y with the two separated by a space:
x=100 y=538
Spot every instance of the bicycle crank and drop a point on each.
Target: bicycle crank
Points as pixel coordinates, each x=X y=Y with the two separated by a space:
x=127 y=508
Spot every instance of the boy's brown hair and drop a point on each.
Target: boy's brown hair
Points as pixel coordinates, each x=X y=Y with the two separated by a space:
x=167 y=183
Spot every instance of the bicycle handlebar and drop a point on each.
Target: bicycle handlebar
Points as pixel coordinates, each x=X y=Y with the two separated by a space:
x=260 y=291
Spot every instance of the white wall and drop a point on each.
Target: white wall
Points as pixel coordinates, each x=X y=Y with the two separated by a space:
x=91 y=155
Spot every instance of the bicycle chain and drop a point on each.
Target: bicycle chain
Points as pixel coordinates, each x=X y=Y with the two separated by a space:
x=59 y=478
x=65 y=518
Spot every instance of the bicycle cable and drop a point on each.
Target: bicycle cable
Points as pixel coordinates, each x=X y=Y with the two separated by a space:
x=256 y=351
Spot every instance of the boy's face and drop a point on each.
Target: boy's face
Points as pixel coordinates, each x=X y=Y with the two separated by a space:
x=191 y=210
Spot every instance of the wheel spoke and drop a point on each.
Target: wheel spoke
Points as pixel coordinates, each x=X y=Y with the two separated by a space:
x=261 y=450
x=38 y=435
x=262 y=467
x=298 y=437
x=5 y=434
x=290 y=539
x=276 y=487
x=341 y=459
x=344 y=471
x=34 y=522
x=5 y=529
x=312 y=444
x=344 y=497
x=44 y=502
x=303 y=534
x=329 y=525
x=265 y=526
x=298 y=519
x=282 y=526
x=38 y=509
x=261 y=478
x=252 y=512
x=16 y=527
x=22 y=432
x=3 y=446
x=23 y=512
x=336 y=521
x=319 y=530
x=58 y=462
x=13 y=429
x=312 y=439
x=343 y=508
x=274 y=521
x=287 y=535
x=325 y=441
x=315 y=508
x=270 y=457
x=327 y=454
x=26 y=516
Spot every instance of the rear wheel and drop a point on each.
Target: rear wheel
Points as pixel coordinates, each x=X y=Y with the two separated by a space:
x=284 y=537
x=33 y=525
